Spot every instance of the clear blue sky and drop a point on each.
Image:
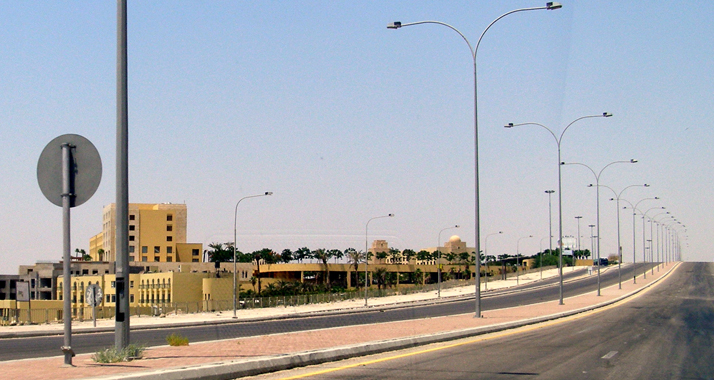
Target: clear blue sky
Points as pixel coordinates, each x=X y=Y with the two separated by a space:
x=345 y=120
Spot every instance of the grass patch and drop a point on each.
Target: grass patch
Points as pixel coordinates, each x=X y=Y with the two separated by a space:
x=112 y=355
x=177 y=340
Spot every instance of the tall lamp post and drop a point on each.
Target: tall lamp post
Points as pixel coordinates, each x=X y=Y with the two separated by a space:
x=366 y=254
x=485 y=255
x=474 y=52
x=235 y=243
x=644 y=233
x=540 y=254
x=653 y=221
x=619 y=244
x=518 y=255
x=550 y=224
x=438 y=263
x=634 y=240
x=558 y=141
x=597 y=198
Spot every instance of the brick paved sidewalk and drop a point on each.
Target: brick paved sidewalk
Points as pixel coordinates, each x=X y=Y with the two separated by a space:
x=232 y=351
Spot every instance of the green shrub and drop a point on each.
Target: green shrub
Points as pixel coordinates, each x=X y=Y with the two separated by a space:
x=112 y=355
x=177 y=340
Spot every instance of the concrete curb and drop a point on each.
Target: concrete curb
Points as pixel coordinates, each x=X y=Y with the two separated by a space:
x=256 y=366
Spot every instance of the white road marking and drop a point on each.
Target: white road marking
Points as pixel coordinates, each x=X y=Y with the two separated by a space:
x=610 y=355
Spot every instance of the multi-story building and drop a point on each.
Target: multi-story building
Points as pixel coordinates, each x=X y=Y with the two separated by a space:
x=157 y=233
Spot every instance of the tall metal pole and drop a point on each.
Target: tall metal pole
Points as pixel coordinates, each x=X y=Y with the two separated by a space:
x=121 y=336
x=474 y=52
x=66 y=254
x=550 y=228
x=597 y=194
x=558 y=141
x=235 y=243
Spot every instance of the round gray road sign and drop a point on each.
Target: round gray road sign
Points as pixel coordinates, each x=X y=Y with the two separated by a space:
x=86 y=169
x=93 y=295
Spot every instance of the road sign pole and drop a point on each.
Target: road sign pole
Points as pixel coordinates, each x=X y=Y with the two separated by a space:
x=66 y=268
x=121 y=332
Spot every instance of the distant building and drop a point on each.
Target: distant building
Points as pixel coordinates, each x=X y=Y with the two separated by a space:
x=157 y=233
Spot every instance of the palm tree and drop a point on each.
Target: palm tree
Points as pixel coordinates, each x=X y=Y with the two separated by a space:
x=100 y=253
x=380 y=275
x=324 y=255
x=354 y=257
x=395 y=255
x=409 y=254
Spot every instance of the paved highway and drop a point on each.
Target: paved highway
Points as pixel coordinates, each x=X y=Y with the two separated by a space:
x=665 y=333
x=11 y=349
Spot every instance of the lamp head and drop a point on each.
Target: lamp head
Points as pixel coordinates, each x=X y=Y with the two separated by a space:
x=552 y=5
x=394 y=25
x=390 y=215
x=606 y=114
x=500 y=232
x=509 y=125
x=633 y=161
x=457 y=226
x=591 y=185
x=656 y=197
x=550 y=191
x=646 y=185
x=268 y=193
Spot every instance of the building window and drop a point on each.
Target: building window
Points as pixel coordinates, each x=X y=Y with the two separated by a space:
x=144 y=249
x=169 y=228
x=169 y=249
x=131 y=284
x=169 y=238
x=132 y=227
x=195 y=252
x=131 y=249
x=169 y=259
x=144 y=258
x=157 y=249
x=156 y=258
x=194 y=260
x=114 y=298
x=169 y=217
x=132 y=217
x=114 y=284
x=131 y=237
x=131 y=258
x=131 y=298
x=109 y=298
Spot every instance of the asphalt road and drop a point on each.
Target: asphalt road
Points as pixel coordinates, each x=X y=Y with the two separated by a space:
x=666 y=333
x=12 y=349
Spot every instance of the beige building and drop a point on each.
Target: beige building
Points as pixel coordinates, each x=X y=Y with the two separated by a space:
x=157 y=233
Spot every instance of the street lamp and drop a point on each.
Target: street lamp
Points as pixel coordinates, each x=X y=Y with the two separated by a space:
x=366 y=254
x=518 y=255
x=474 y=52
x=235 y=243
x=558 y=141
x=550 y=224
x=653 y=221
x=438 y=263
x=579 y=250
x=644 y=233
x=597 y=197
x=619 y=245
x=485 y=255
x=634 y=240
